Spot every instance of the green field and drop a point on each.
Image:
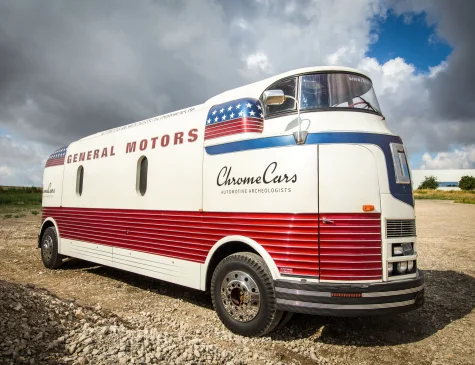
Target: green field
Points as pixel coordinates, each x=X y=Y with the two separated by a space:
x=16 y=202
x=458 y=196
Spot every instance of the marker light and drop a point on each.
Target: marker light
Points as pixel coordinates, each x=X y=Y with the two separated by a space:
x=368 y=208
x=402 y=267
x=410 y=266
x=398 y=251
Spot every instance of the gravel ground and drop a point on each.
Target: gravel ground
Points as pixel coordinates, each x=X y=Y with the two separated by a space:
x=87 y=313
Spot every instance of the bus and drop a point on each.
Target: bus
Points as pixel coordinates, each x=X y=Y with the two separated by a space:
x=288 y=195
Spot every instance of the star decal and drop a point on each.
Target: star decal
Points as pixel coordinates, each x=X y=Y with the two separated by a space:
x=209 y=121
x=214 y=112
x=240 y=114
x=249 y=105
x=238 y=106
x=216 y=119
x=259 y=107
x=230 y=108
x=223 y=117
x=231 y=115
x=251 y=113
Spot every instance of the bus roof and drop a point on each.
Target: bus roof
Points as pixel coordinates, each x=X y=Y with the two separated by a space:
x=255 y=90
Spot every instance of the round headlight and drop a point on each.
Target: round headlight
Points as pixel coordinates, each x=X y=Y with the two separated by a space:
x=402 y=267
x=410 y=266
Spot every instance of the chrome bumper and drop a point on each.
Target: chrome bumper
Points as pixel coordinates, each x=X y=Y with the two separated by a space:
x=350 y=300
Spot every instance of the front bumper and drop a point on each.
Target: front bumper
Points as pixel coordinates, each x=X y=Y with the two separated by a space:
x=349 y=300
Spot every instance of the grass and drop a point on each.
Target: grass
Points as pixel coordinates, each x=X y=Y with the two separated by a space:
x=458 y=196
x=16 y=200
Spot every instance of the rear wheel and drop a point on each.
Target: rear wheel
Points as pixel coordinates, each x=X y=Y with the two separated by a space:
x=243 y=295
x=49 y=249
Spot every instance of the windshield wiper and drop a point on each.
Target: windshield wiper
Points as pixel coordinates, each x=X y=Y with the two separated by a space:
x=368 y=104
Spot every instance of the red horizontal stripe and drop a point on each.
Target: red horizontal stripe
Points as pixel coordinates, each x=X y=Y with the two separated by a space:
x=235 y=126
x=239 y=121
x=236 y=130
x=350 y=249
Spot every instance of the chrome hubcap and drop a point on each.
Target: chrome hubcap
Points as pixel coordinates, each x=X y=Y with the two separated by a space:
x=47 y=248
x=240 y=296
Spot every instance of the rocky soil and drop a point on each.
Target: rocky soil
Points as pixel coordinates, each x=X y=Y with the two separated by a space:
x=89 y=314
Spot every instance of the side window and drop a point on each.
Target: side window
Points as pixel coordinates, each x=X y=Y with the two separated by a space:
x=401 y=167
x=289 y=87
x=142 y=172
x=79 y=180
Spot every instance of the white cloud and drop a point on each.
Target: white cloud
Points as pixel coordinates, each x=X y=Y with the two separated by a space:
x=258 y=63
x=21 y=163
x=461 y=158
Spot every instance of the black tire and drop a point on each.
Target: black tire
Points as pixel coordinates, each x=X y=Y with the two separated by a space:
x=49 y=249
x=252 y=265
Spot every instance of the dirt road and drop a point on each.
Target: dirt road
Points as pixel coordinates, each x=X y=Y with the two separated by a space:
x=136 y=319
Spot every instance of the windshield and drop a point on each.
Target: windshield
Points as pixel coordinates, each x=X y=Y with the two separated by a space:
x=337 y=90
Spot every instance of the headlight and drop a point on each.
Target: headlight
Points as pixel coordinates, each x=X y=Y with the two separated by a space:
x=402 y=267
x=410 y=266
x=390 y=268
x=398 y=251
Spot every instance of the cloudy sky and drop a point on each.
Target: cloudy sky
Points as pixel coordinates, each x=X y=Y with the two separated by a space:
x=72 y=68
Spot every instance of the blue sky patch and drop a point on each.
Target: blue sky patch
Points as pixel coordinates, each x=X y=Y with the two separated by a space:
x=408 y=36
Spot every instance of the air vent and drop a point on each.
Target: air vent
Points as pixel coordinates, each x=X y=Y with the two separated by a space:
x=396 y=228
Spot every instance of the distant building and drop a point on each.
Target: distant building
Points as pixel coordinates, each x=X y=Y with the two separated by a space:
x=448 y=179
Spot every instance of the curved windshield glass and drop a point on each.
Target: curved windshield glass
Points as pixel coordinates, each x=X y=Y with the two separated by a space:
x=337 y=90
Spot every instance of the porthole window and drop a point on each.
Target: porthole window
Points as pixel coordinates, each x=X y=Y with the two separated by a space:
x=79 y=180
x=142 y=172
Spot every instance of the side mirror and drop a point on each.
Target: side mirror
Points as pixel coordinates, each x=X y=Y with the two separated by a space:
x=273 y=97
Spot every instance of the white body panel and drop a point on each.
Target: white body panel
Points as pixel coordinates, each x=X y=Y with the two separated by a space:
x=299 y=164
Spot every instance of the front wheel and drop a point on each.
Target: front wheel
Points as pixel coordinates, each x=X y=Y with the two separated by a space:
x=49 y=249
x=243 y=295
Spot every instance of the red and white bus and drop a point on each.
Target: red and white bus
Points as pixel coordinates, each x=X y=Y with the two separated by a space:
x=287 y=195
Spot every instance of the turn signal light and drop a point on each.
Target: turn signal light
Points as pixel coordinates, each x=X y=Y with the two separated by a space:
x=347 y=295
x=368 y=208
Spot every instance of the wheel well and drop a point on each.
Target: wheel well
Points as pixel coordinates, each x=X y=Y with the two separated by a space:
x=46 y=225
x=224 y=251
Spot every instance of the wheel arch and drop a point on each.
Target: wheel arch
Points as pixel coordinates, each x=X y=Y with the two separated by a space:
x=48 y=222
x=229 y=245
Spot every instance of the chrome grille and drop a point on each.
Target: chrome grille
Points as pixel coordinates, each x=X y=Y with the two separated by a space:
x=400 y=228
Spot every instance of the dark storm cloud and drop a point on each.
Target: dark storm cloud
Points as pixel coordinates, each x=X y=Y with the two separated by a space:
x=451 y=118
x=69 y=69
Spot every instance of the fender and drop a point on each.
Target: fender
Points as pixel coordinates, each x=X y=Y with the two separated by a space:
x=248 y=241
x=49 y=219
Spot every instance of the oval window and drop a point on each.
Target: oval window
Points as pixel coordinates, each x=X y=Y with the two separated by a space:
x=79 y=180
x=142 y=172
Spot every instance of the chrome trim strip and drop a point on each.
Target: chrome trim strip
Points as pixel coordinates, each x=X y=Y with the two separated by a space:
x=343 y=306
x=309 y=293
x=395 y=292
x=312 y=293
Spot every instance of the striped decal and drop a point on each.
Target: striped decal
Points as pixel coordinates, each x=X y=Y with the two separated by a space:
x=55 y=162
x=350 y=246
x=241 y=125
x=57 y=157
x=350 y=249
x=234 y=117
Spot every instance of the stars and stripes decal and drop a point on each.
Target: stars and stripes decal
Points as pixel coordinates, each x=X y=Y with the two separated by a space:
x=57 y=157
x=234 y=117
